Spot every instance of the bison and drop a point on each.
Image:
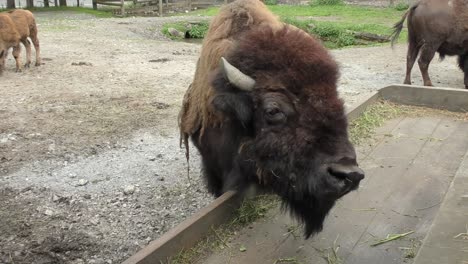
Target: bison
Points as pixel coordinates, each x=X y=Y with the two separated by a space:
x=435 y=26
x=26 y=25
x=263 y=110
x=9 y=38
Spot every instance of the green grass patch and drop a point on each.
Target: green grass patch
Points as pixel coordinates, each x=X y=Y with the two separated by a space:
x=250 y=210
x=97 y=13
x=348 y=13
x=180 y=26
x=335 y=23
x=271 y=2
x=196 y=31
x=210 y=11
x=339 y=34
x=401 y=6
x=327 y=2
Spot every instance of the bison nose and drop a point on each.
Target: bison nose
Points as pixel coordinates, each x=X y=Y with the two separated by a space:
x=346 y=172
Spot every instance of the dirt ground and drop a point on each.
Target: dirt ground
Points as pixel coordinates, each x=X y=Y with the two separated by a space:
x=90 y=164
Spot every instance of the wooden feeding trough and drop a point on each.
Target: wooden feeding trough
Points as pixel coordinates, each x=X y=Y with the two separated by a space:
x=412 y=206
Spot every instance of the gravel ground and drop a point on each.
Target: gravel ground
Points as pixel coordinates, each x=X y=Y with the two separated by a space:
x=90 y=164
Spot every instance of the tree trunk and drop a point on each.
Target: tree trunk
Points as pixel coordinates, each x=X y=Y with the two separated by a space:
x=29 y=3
x=46 y=3
x=94 y=4
x=63 y=2
x=77 y=2
x=11 y=4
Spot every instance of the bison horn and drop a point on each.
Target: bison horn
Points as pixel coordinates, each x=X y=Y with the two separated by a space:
x=236 y=77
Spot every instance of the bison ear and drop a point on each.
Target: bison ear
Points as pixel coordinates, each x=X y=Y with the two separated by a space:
x=230 y=97
x=236 y=77
x=238 y=106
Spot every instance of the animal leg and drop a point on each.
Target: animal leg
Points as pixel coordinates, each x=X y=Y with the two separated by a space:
x=16 y=55
x=35 y=41
x=411 y=56
x=213 y=181
x=27 y=45
x=463 y=63
x=426 y=56
x=2 y=61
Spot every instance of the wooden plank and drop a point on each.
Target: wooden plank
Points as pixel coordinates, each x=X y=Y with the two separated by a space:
x=444 y=244
x=410 y=204
x=356 y=110
x=442 y=98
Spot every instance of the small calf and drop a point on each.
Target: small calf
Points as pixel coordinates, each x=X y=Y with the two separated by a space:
x=9 y=38
x=26 y=26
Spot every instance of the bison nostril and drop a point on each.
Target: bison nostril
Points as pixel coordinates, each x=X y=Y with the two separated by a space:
x=350 y=173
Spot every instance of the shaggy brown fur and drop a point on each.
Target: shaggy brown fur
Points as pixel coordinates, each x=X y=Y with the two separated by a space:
x=26 y=26
x=9 y=38
x=197 y=111
x=268 y=114
x=435 y=26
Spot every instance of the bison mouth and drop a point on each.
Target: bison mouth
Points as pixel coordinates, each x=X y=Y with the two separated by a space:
x=311 y=205
x=345 y=178
x=344 y=186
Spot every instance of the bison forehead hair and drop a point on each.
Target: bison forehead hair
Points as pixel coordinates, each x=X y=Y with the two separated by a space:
x=290 y=57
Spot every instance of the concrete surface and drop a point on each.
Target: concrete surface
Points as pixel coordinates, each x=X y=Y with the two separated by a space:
x=187 y=233
x=408 y=173
x=447 y=241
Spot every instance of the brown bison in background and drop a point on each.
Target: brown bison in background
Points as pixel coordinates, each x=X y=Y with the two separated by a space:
x=263 y=109
x=16 y=26
x=9 y=38
x=435 y=26
x=26 y=26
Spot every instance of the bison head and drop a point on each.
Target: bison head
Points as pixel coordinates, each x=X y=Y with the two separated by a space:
x=279 y=89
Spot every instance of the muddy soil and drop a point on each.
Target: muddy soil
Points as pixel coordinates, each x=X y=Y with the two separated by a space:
x=90 y=164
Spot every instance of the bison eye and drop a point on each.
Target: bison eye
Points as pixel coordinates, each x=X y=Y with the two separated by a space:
x=274 y=115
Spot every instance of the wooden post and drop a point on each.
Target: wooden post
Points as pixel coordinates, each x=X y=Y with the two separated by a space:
x=160 y=8
x=122 y=8
x=95 y=4
x=29 y=3
x=11 y=4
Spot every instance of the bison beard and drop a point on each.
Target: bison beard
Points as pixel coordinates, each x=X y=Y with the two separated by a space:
x=271 y=116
